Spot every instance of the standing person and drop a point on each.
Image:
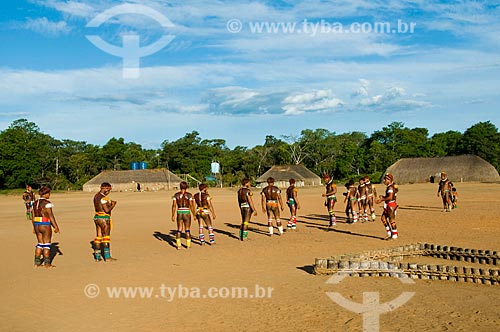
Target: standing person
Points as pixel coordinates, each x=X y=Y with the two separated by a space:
x=444 y=189
x=270 y=198
x=362 y=194
x=293 y=204
x=371 y=193
x=351 y=199
x=182 y=209
x=102 y=220
x=454 y=196
x=29 y=199
x=246 y=207
x=390 y=207
x=331 y=198
x=204 y=209
x=43 y=221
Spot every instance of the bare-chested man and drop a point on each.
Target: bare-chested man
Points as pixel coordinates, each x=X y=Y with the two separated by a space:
x=204 y=211
x=363 y=215
x=246 y=207
x=293 y=204
x=371 y=193
x=29 y=199
x=102 y=220
x=182 y=208
x=390 y=206
x=351 y=200
x=331 y=198
x=271 y=203
x=444 y=189
x=43 y=221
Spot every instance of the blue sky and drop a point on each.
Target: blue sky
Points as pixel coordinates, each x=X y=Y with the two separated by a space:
x=225 y=79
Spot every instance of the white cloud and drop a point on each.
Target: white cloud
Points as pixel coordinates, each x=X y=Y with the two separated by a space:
x=47 y=28
x=235 y=96
x=68 y=7
x=395 y=92
x=74 y=8
x=393 y=100
x=13 y=114
x=361 y=90
x=316 y=101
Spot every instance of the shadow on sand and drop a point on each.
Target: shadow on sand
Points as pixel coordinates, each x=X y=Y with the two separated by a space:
x=325 y=227
x=54 y=251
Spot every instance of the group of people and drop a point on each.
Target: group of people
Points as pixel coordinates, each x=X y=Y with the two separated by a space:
x=360 y=200
x=360 y=203
x=448 y=193
x=271 y=203
x=185 y=205
x=39 y=211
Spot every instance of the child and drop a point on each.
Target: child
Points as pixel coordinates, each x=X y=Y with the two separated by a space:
x=454 y=196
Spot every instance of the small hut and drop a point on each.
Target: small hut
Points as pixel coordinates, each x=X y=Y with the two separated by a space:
x=464 y=168
x=281 y=175
x=148 y=179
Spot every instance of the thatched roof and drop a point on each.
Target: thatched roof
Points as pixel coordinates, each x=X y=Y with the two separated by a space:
x=142 y=176
x=286 y=172
x=458 y=168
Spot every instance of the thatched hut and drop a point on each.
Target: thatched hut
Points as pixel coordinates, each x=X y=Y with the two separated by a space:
x=149 y=179
x=281 y=175
x=464 y=168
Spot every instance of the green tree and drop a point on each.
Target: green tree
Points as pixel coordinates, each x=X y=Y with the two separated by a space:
x=445 y=144
x=351 y=159
x=192 y=155
x=26 y=155
x=321 y=149
x=113 y=154
x=483 y=140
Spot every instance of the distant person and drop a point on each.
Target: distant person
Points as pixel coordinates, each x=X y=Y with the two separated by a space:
x=247 y=207
x=293 y=204
x=347 y=203
x=351 y=200
x=390 y=206
x=29 y=199
x=204 y=212
x=102 y=220
x=363 y=215
x=331 y=198
x=454 y=196
x=444 y=189
x=138 y=187
x=271 y=203
x=182 y=209
x=43 y=221
x=371 y=193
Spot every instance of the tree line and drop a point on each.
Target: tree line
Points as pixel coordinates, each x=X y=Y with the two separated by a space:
x=27 y=155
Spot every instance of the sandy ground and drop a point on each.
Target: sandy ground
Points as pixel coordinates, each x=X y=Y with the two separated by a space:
x=283 y=294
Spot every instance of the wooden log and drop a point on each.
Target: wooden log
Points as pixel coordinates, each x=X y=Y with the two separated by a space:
x=343 y=265
x=332 y=264
x=442 y=272
x=354 y=265
x=433 y=272
x=321 y=263
x=450 y=271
